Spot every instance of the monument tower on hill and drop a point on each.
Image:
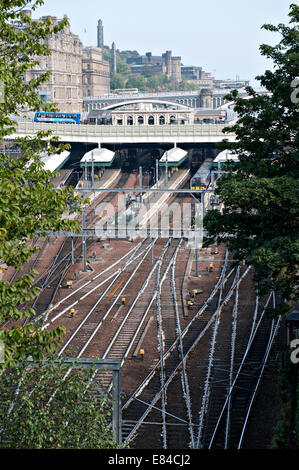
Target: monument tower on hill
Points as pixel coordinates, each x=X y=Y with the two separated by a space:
x=100 y=41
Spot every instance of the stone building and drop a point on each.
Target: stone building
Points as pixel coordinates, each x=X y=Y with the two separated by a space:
x=143 y=113
x=148 y=115
x=195 y=75
x=75 y=71
x=65 y=64
x=95 y=72
x=165 y=64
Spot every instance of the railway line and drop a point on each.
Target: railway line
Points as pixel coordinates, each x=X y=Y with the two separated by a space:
x=68 y=254
x=170 y=418
x=206 y=367
x=164 y=400
x=229 y=428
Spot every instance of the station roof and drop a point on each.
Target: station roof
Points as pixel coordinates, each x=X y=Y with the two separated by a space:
x=175 y=157
x=226 y=155
x=54 y=162
x=293 y=317
x=100 y=157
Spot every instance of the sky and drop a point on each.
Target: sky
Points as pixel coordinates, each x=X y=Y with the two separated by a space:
x=221 y=36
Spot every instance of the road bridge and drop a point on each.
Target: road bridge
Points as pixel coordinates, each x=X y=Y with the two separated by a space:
x=100 y=134
x=193 y=99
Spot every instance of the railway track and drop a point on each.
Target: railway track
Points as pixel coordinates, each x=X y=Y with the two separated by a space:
x=231 y=367
x=69 y=253
x=227 y=428
x=146 y=405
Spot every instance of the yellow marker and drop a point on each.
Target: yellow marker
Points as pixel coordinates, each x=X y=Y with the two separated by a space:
x=195 y=291
x=123 y=300
x=190 y=303
x=1 y=270
x=68 y=283
x=141 y=353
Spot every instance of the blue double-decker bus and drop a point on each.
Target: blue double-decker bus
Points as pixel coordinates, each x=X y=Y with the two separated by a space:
x=63 y=118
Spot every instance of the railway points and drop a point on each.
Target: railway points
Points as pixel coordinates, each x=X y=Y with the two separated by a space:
x=187 y=315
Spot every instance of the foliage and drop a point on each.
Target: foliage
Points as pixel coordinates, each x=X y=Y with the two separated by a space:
x=260 y=194
x=124 y=55
x=147 y=81
x=42 y=408
x=107 y=55
x=284 y=435
x=117 y=81
x=29 y=205
x=137 y=82
x=122 y=67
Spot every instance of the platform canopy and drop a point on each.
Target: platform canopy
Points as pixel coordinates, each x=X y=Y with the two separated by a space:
x=293 y=318
x=226 y=156
x=54 y=162
x=100 y=157
x=174 y=156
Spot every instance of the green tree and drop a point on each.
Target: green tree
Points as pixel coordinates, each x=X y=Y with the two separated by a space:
x=153 y=82
x=117 y=81
x=29 y=205
x=107 y=55
x=139 y=82
x=122 y=67
x=44 y=408
x=259 y=220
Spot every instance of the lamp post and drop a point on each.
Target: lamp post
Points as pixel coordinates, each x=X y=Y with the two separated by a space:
x=166 y=167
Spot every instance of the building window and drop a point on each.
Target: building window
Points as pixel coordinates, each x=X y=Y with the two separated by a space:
x=119 y=122
x=151 y=120
x=161 y=120
x=88 y=92
x=130 y=121
x=140 y=120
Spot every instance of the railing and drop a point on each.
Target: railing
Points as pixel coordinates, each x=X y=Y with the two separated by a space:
x=29 y=128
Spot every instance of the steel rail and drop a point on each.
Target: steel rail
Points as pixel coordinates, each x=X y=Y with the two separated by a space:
x=114 y=278
x=61 y=351
x=232 y=360
x=90 y=281
x=184 y=375
x=169 y=380
x=255 y=327
x=170 y=349
x=207 y=386
x=144 y=315
x=161 y=345
x=272 y=336
x=116 y=274
x=95 y=330
x=109 y=310
x=140 y=292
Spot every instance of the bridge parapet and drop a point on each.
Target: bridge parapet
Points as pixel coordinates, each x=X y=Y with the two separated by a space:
x=127 y=134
